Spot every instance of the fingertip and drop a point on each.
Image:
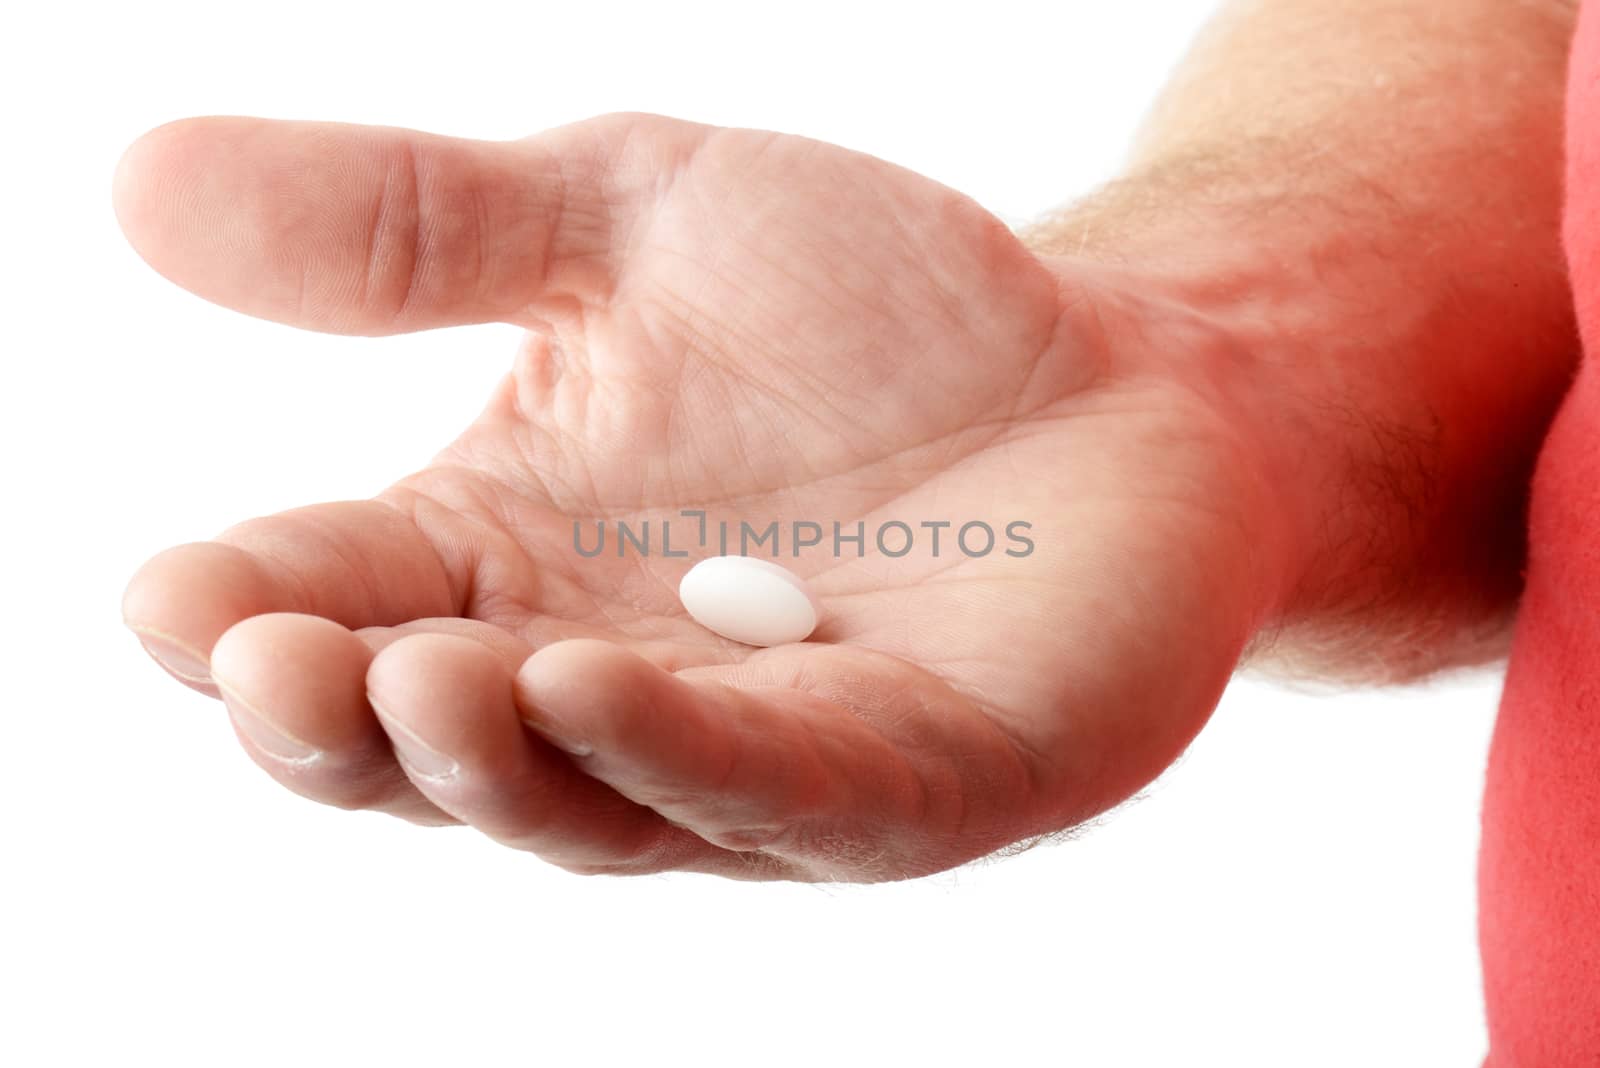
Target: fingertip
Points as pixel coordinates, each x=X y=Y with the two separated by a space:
x=198 y=199
x=181 y=600
x=433 y=670
x=145 y=178
x=185 y=577
x=445 y=702
x=585 y=695
x=130 y=181
x=579 y=672
x=511 y=649
x=304 y=675
x=563 y=669
x=574 y=693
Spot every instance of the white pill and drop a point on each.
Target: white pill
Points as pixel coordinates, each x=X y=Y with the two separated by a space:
x=753 y=601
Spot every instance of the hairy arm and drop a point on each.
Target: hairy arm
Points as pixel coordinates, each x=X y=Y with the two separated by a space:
x=1363 y=198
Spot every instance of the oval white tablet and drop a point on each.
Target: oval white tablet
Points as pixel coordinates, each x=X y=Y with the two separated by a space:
x=753 y=601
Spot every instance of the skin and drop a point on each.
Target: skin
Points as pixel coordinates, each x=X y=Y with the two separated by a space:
x=772 y=328
x=1385 y=237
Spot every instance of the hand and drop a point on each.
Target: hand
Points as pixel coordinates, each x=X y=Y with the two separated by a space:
x=766 y=328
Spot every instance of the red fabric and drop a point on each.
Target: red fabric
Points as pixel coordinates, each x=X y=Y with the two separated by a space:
x=1539 y=866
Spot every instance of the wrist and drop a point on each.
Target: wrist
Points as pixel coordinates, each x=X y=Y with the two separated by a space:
x=1380 y=413
x=1166 y=348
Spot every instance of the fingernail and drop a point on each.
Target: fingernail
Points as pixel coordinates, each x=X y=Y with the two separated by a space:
x=184 y=662
x=567 y=745
x=265 y=735
x=416 y=754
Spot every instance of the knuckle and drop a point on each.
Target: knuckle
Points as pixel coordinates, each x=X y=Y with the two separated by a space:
x=428 y=232
x=394 y=235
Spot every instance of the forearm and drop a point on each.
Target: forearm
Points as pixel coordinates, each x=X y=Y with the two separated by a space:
x=1363 y=196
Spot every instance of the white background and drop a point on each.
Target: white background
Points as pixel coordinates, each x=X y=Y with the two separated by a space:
x=1299 y=890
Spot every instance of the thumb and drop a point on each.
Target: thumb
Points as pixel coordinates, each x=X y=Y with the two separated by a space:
x=377 y=230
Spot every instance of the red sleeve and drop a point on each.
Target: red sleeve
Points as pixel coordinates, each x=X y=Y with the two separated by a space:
x=1539 y=866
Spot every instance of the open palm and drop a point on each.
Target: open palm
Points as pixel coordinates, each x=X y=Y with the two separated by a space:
x=765 y=329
